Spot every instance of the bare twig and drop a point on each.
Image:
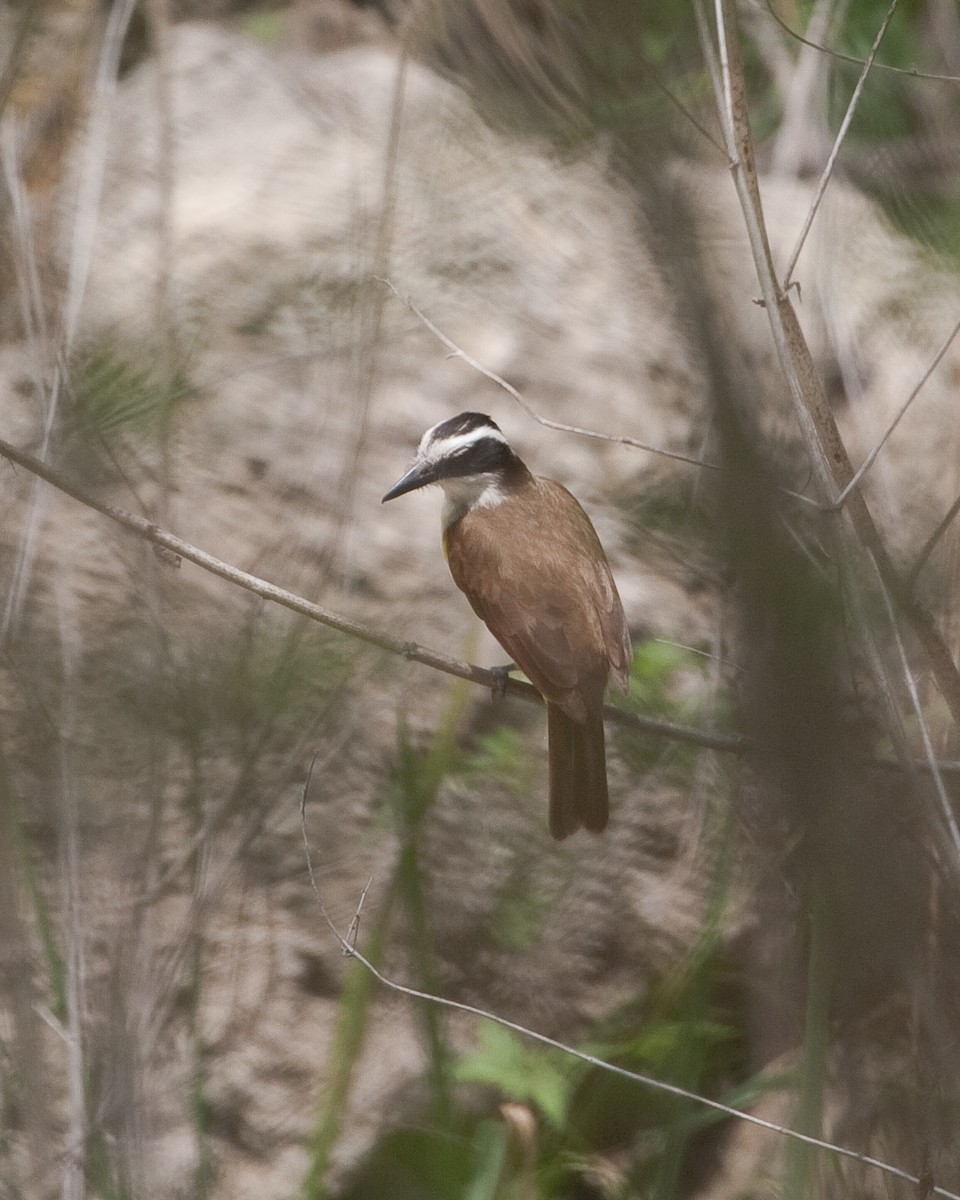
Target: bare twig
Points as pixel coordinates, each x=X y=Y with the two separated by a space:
x=142 y=527
x=306 y=783
x=77 y=1069
x=948 y=813
x=458 y=352
x=81 y=255
x=868 y=461
x=30 y=296
x=94 y=160
x=729 y=743
x=619 y=439
x=354 y=927
x=681 y=107
x=913 y=72
x=178 y=549
x=827 y=172
x=929 y=544
x=592 y=1060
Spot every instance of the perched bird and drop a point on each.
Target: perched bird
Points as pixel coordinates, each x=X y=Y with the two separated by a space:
x=526 y=556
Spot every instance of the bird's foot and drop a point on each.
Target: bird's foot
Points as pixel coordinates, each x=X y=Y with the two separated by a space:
x=501 y=676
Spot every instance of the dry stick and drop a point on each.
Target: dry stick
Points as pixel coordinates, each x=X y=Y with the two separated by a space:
x=868 y=461
x=86 y=209
x=177 y=548
x=850 y=58
x=829 y=458
x=827 y=172
x=929 y=544
x=78 y=1124
x=458 y=352
x=948 y=814
x=592 y=1060
x=731 y=743
x=866 y=548
x=792 y=351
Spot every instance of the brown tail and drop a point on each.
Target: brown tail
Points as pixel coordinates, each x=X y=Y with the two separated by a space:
x=578 y=773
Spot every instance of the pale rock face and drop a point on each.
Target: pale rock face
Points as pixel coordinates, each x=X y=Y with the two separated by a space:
x=253 y=232
x=261 y=232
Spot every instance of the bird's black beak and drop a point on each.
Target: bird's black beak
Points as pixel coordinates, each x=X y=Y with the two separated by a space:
x=419 y=475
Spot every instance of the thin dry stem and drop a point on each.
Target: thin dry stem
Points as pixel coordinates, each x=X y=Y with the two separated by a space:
x=32 y=313
x=458 y=352
x=913 y=72
x=592 y=1060
x=827 y=172
x=930 y=543
x=77 y=1070
x=94 y=161
x=868 y=461
x=180 y=549
x=948 y=814
x=177 y=549
x=78 y=269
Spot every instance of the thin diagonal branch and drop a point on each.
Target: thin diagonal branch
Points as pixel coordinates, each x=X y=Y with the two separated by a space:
x=948 y=814
x=679 y=105
x=827 y=172
x=647 y=1081
x=458 y=352
x=913 y=72
x=181 y=549
x=868 y=461
x=929 y=544
x=177 y=548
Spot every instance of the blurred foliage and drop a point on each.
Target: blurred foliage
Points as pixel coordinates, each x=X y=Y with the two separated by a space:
x=516 y=1119
x=114 y=393
x=418 y=776
x=666 y=681
x=531 y=1121
x=18 y=845
x=502 y=755
x=524 y=1072
x=634 y=70
x=263 y=25
x=253 y=685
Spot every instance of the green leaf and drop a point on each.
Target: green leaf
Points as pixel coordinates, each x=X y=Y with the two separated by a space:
x=543 y=1078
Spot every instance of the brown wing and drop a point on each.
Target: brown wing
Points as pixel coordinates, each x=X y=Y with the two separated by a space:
x=533 y=569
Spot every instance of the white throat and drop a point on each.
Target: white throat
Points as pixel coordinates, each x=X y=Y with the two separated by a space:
x=467 y=492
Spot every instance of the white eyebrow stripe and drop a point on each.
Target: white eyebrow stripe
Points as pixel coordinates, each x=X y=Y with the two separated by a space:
x=449 y=445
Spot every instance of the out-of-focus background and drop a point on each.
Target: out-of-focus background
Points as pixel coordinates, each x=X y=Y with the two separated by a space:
x=199 y=201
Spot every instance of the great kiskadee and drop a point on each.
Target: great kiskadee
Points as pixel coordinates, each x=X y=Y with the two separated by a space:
x=526 y=556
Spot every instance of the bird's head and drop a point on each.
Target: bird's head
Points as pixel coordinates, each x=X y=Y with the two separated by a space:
x=467 y=455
